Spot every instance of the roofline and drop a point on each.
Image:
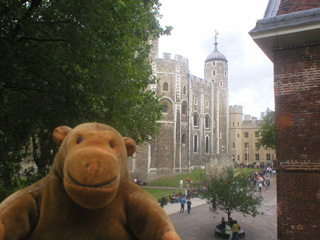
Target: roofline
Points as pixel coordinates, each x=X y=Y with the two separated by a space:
x=286 y=29
x=272 y=8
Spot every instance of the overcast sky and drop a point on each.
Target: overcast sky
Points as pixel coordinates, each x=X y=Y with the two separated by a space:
x=195 y=22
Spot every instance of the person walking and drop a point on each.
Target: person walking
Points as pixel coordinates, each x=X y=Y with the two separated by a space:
x=181 y=183
x=189 y=205
x=235 y=230
x=182 y=201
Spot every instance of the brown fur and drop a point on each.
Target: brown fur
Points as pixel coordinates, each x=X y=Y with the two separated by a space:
x=87 y=194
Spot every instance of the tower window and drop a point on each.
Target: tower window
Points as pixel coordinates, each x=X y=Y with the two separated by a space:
x=214 y=73
x=184 y=109
x=165 y=109
x=165 y=86
x=207 y=121
x=184 y=89
x=183 y=139
x=195 y=143
x=195 y=119
x=207 y=144
x=221 y=84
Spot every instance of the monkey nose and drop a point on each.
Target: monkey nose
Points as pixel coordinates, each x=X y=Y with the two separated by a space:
x=92 y=167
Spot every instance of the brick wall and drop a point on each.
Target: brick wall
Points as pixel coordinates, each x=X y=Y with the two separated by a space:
x=297 y=96
x=290 y=6
x=297 y=93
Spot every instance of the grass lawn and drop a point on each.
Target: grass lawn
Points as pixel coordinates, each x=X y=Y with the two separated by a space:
x=159 y=193
x=173 y=181
x=246 y=171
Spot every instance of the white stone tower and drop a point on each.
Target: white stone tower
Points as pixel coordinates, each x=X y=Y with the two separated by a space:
x=216 y=71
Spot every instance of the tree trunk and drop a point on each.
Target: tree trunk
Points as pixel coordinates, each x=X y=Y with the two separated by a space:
x=229 y=214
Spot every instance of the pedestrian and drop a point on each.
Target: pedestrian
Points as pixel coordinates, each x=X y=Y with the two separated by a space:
x=260 y=186
x=235 y=230
x=228 y=231
x=188 y=182
x=189 y=205
x=182 y=201
x=181 y=183
x=267 y=185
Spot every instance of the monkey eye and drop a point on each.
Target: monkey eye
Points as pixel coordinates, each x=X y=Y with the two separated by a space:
x=111 y=144
x=79 y=140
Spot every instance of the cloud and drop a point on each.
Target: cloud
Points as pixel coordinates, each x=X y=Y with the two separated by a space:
x=249 y=69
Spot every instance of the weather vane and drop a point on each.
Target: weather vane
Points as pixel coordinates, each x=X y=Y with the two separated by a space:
x=216 y=33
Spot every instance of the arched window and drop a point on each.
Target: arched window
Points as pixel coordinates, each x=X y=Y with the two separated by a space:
x=207 y=144
x=183 y=139
x=195 y=119
x=207 y=121
x=184 y=89
x=165 y=108
x=165 y=86
x=221 y=84
x=184 y=108
x=195 y=143
x=214 y=73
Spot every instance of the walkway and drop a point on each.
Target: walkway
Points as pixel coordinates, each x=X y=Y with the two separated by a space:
x=199 y=225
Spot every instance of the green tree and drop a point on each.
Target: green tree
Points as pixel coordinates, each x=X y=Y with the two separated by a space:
x=68 y=62
x=230 y=193
x=267 y=132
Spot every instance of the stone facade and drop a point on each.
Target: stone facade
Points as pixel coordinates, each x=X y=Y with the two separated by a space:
x=243 y=139
x=194 y=124
x=290 y=38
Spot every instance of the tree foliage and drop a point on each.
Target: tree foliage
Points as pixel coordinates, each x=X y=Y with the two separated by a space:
x=232 y=193
x=68 y=62
x=267 y=132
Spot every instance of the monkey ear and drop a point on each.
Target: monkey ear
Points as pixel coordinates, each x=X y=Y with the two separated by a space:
x=130 y=146
x=60 y=133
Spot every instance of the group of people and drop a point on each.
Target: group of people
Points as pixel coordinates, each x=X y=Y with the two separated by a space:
x=261 y=179
x=183 y=202
x=230 y=228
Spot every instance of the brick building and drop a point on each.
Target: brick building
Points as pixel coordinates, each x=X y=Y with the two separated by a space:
x=289 y=34
x=194 y=121
x=243 y=139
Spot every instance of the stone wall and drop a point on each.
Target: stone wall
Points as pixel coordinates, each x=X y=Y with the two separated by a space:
x=218 y=165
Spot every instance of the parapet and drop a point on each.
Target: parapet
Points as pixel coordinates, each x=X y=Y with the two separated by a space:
x=236 y=109
x=176 y=57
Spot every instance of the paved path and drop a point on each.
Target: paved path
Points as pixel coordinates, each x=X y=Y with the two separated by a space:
x=199 y=225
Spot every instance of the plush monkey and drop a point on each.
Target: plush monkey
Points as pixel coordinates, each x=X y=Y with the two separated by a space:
x=87 y=194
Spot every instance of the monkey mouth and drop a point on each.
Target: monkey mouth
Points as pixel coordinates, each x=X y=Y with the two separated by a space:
x=91 y=186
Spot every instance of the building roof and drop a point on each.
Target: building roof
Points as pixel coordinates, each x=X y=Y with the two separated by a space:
x=216 y=55
x=274 y=31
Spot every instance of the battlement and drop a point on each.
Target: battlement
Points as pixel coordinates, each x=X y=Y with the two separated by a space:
x=236 y=109
x=175 y=57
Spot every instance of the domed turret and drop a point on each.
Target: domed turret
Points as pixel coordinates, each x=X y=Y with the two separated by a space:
x=216 y=55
